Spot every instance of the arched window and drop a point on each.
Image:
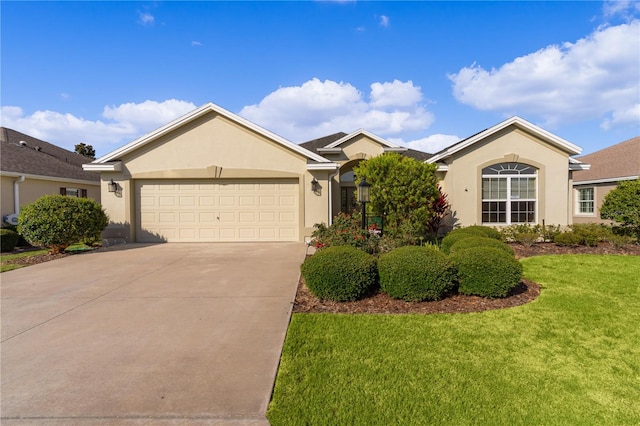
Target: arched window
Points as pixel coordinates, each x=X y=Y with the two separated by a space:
x=509 y=193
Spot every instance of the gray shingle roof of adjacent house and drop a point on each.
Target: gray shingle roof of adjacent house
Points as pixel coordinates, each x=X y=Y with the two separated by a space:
x=322 y=142
x=617 y=161
x=20 y=153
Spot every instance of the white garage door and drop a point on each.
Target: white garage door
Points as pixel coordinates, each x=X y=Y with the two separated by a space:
x=220 y=210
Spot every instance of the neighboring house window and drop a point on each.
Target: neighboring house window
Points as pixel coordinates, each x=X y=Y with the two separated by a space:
x=585 y=201
x=74 y=192
x=509 y=193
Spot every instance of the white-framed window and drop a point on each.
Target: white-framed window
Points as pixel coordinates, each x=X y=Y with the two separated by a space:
x=586 y=201
x=509 y=193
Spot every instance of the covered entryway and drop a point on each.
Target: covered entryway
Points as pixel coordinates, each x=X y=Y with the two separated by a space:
x=209 y=210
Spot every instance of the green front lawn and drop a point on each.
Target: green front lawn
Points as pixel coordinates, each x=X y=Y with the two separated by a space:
x=570 y=357
x=6 y=259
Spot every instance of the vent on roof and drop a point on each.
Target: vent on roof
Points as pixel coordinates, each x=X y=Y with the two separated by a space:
x=23 y=143
x=38 y=149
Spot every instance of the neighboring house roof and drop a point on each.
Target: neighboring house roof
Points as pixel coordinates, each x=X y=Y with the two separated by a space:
x=327 y=143
x=199 y=112
x=25 y=155
x=521 y=123
x=617 y=162
x=322 y=142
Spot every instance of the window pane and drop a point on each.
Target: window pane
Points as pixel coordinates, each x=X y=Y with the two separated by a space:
x=585 y=200
x=523 y=211
x=494 y=211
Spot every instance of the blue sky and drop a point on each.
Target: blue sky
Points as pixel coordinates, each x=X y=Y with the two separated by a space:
x=421 y=74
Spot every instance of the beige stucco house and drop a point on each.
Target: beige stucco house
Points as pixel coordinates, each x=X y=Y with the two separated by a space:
x=214 y=176
x=31 y=168
x=609 y=166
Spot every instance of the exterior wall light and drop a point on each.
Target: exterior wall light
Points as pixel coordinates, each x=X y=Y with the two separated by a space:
x=315 y=185
x=112 y=186
x=363 y=198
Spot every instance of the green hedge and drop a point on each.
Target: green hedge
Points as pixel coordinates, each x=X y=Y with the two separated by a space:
x=486 y=271
x=8 y=239
x=486 y=230
x=415 y=274
x=458 y=234
x=340 y=273
x=567 y=239
x=472 y=242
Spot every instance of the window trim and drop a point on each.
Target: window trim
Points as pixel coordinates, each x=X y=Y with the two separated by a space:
x=508 y=175
x=592 y=213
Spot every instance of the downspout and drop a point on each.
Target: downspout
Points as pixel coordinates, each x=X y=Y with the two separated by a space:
x=16 y=194
x=331 y=195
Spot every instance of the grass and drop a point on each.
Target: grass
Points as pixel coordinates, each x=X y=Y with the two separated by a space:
x=6 y=259
x=570 y=357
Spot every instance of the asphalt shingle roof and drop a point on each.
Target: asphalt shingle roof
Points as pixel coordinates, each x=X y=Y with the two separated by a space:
x=314 y=144
x=37 y=157
x=619 y=160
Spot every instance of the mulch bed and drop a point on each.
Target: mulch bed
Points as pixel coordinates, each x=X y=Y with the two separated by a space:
x=380 y=303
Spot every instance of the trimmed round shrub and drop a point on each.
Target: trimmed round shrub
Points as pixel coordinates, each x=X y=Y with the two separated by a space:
x=456 y=235
x=567 y=239
x=414 y=274
x=486 y=271
x=473 y=242
x=340 y=273
x=488 y=231
x=8 y=239
x=57 y=221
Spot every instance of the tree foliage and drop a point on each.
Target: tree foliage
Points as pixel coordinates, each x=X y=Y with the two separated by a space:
x=404 y=190
x=57 y=221
x=86 y=150
x=623 y=205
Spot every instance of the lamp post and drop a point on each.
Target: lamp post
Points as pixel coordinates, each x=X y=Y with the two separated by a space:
x=363 y=198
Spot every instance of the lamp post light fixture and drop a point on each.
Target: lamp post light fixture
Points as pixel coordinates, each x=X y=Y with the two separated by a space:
x=112 y=186
x=363 y=198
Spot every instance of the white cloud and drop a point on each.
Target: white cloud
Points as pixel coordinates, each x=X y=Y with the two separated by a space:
x=622 y=8
x=595 y=78
x=630 y=115
x=394 y=94
x=145 y=18
x=318 y=108
x=196 y=43
x=430 y=144
x=384 y=21
x=121 y=123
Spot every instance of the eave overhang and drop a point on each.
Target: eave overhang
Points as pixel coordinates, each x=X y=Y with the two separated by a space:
x=323 y=166
x=114 y=166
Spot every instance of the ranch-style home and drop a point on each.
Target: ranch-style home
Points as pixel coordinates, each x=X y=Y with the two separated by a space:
x=31 y=168
x=211 y=175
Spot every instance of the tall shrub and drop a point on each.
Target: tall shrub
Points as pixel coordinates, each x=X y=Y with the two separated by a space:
x=404 y=190
x=57 y=221
x=623 y=205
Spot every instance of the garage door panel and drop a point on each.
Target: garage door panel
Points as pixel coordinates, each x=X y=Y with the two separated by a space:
x=238 y=210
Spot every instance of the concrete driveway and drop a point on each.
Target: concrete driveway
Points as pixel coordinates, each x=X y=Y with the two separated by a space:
x=147 y=334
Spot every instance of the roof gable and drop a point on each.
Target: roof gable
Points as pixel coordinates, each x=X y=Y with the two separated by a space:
x=362 y=132
x=516 y=121
x=199 y=112
x=24 y=154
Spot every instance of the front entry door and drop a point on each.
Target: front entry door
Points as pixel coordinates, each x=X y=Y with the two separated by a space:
x=348 y=199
